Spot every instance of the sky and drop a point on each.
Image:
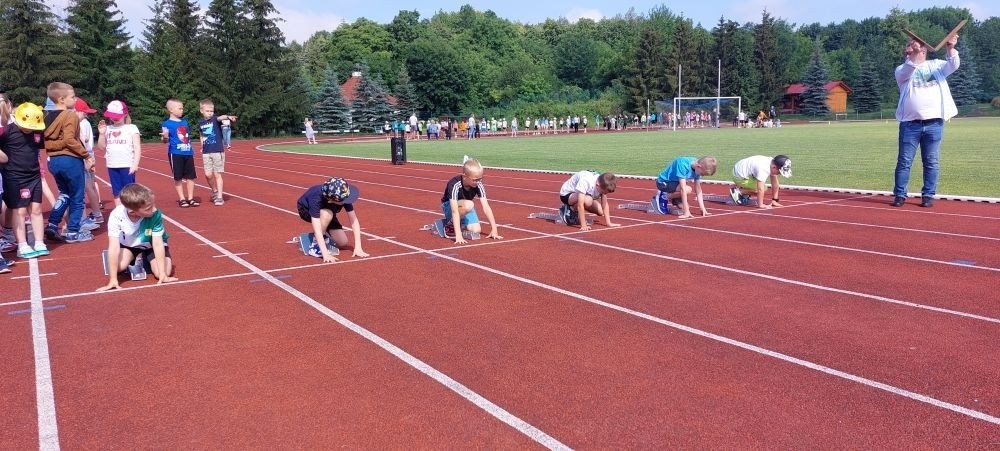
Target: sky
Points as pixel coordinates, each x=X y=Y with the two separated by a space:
x=302 y=18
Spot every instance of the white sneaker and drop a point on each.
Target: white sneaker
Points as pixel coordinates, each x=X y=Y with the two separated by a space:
x=88 y=225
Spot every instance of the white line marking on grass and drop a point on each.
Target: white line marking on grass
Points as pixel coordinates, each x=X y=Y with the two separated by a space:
x=48 y=427
x=496 y=411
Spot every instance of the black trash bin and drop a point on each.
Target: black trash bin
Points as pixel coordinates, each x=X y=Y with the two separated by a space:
x=397 y=145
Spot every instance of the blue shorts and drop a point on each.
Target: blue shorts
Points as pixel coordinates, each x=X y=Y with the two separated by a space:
x=119 y=177
x=470 y=218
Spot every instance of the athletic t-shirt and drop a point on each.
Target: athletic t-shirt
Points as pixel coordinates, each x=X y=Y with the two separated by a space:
x=120 y=141
x=679 y=169
x=22 y=153
x=178 y=137
x=756 y=167
x=582 y=182
x=211 y=132
x=456 y=190
x=314 y=201
x=139 y=233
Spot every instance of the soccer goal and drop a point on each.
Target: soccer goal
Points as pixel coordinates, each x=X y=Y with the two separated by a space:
x=700 y=112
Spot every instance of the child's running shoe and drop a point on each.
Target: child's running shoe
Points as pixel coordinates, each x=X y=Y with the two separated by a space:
x=88 y=225
x=314 y=250
x=5 y=265
x=568 y=215
x=26 y=252
x=52 y=234
x=734 y=192
x=659 y=204
x=6 y=245
x=744 y=200
x=82 y=235
x=449 y=229
x=96 y=218
x=40 y=249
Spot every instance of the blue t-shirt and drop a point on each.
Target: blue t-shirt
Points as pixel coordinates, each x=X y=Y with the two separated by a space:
x=211 y=131
x=179 y=139
x=679 y=169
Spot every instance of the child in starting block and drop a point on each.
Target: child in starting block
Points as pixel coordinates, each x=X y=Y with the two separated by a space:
x=458 y=206
x=136 y=237
x=749 y=175
x=587 y=191
x=673 y=183
x=319 y=206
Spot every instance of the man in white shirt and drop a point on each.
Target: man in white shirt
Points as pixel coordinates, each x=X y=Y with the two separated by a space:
x=924 y=104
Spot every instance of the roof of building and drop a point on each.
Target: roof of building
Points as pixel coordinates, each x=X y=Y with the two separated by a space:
x=349 y=90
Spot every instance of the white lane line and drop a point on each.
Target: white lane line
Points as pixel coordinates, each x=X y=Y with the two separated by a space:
x=922 y=211
x=226 y=256
x=794 y=360
x=495 y=410
x=45 y=400
x=877 y=226
x=48 y=274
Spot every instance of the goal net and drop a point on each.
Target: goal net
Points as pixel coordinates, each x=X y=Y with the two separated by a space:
x=700 y=112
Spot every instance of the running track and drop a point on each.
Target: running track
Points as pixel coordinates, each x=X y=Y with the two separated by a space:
x=836 y=321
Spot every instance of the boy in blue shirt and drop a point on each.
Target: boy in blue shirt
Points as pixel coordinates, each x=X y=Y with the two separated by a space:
x=673 y=183
x=213 y=147
x=176 y=134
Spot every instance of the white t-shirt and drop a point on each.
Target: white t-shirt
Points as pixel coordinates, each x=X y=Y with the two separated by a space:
x=120 y=150
x=135 y=233
x=582 y=182
x=87 y=135
x=755 y=167
x=923 y=90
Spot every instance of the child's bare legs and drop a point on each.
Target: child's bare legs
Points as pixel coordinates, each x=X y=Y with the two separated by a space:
x=18 y=224
x=37 y=224
x=189 y=184
x=93 y=198
x=48 y=194
x=464 y=207
x=340 y=239
x=156 y=268
x=180 y=190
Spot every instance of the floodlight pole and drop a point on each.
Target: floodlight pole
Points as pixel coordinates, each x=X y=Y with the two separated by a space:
x=674 y=121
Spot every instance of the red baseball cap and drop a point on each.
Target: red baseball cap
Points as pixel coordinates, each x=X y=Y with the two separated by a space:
x=81 y=106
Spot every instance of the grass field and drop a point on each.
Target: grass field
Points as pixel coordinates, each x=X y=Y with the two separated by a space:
x=842 y=154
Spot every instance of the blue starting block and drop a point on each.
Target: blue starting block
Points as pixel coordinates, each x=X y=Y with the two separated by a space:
x=305 y=241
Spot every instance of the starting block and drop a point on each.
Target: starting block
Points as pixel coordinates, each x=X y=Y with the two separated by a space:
x=554 y=217
x=647 y=207
x=135 y=270
x=305 y=241
x=437 y=228
x=719 y=198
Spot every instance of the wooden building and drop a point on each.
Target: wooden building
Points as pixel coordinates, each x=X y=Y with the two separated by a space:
x=836 y=97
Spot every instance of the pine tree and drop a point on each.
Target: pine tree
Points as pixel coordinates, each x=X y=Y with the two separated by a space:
x=766 y=60
x=32 y=51
x=220 y=46
x=371 y=107
x=814 y=97
x=331 y=113
x=965 y=82
x=867 y=96
x=102 y=54
x=685 y=55
x=647 y=78
x=406 y=95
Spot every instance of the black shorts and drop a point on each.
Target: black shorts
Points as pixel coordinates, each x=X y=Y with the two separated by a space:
x=146 y=254
x=182 y=167
x=334 y=223
x=565 y=198
x=19 y=193
x=667 y=187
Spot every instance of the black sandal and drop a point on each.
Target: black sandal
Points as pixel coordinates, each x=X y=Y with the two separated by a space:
x=193 y=203
x=183 y=203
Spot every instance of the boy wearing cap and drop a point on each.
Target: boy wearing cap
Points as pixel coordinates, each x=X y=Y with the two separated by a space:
x=212 y=147
x=68 y=160
x=749 y=175
x=319 y=206
x=121 y=145
x=673 y=183
x=21 y=141
x=458 y=206
x=91 y=193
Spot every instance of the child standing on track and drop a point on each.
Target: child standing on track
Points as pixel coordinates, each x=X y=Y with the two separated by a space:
x=673 y=186
x=175 y=133
x=319 y=206
x=587 y=191
x=458 y=206
x=68 y=160
x=750 y=173
x=20 y=142
x=136 y=236
x=121 y=145
x=91 y=193
x=212 y=147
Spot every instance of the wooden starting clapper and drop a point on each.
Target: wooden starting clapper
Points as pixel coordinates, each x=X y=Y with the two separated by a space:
x=944 y=41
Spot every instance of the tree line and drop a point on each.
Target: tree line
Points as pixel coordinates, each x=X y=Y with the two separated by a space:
x=461 y=62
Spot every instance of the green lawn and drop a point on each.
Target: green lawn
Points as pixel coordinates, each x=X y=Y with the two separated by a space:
x=842 y=154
